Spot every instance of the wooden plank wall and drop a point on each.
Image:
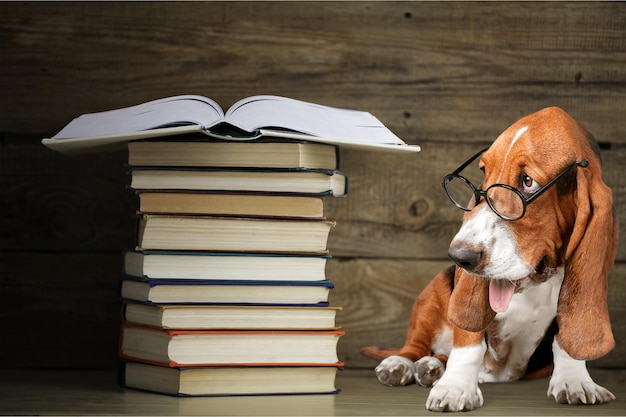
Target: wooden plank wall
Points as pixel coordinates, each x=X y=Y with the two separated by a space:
x=448 y=76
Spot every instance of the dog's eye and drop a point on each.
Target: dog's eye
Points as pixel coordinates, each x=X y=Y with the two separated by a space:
x=529 y=185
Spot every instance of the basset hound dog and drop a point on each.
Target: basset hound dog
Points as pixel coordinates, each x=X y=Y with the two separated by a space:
x=527 y=296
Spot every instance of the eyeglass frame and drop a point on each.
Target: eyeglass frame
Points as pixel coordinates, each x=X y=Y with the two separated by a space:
x=478 y=193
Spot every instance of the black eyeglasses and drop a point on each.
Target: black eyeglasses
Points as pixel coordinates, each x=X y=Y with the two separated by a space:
x=506 y=201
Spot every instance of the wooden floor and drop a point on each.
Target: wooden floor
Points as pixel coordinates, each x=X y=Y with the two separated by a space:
x=96 y=393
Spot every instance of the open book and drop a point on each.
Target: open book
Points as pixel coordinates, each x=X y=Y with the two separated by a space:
x=248 y=119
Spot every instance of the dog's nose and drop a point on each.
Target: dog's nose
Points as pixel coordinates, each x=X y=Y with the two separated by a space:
x=464 y=256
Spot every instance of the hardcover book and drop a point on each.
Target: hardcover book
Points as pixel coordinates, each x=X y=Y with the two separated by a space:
x=232 y=234
x=227 y=292
x=228 y=381
x=172 y=265
x=230 y=204
x=255 y=154
x=227 y=348
x=250 y=118
x=231 y=317
x=307 y=181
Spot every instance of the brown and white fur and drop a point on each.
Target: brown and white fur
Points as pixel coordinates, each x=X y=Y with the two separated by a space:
x=558 y=255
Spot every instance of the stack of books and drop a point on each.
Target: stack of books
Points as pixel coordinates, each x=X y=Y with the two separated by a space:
x=226 y=292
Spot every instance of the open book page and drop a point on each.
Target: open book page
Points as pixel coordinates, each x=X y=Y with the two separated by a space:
x=171 y=111
x=271 y=116
x=273 y=112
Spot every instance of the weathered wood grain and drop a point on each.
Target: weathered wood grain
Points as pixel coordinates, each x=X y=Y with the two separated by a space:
x=449 y=76
x=430 y=71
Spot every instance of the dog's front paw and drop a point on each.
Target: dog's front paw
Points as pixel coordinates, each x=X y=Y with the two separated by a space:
x=571 y=382
x=577 y=391
x=394 y=371
x=454 y=397
x=428 y=371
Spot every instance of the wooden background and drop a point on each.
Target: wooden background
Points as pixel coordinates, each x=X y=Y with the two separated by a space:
x=448 y=76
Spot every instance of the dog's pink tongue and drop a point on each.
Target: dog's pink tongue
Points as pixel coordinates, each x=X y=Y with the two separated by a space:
x=500 y=294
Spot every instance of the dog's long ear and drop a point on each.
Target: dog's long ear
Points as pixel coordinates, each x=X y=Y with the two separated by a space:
x=469 y=303
x=583 y=317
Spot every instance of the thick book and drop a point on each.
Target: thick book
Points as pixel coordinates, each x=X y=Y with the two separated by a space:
x=231 y=317
x=226 y=348
x=230 y=204
x=255 y=154
x=172 y=265
x=301 y=293
x=232 y=234
x=230 y=381
x=252 y=118
x=302 y=181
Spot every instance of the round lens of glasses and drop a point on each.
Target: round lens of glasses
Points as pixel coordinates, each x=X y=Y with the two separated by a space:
x=505 y=201
x=460 y=191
